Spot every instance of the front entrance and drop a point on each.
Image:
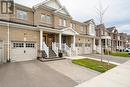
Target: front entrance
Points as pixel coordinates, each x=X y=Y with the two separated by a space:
x=48 y=39
x=66 y=39
x=22 y=51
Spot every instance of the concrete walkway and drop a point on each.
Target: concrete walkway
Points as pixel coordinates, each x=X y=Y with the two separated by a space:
x=75 y=72
x=111 y=58
x=32 y=74
x=116 y=77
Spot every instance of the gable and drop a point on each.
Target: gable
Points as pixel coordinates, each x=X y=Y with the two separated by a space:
x=69 y=31
x=53 y=4
x=63 y=11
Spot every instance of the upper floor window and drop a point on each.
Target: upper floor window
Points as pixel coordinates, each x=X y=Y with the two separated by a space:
x=71 y=25
x=21 y=15
x=46 y=18
x=62 y=22
x=82 y=28
x=74 y=26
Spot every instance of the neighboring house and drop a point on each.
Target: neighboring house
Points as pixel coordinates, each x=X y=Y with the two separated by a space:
x=44 y=30
x=118 y=40
x=104 y=37
x=128 y=42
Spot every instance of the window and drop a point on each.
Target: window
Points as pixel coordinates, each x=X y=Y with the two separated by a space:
x=93 y=28
x=82 y=28
x=46 y=19
x=43 y=17
x=62 y=22
x=71 y=25
x=21 y=15
x=74 y=26
x=30 y=45
x=19 y=45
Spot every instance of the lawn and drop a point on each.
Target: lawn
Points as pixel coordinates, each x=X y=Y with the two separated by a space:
x=94 y=65
x=121 y=54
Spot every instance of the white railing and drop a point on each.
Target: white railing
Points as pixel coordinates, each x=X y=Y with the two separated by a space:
x=73 y=50
x=46 y=49
x=98 y=49
x=55 y=48
x=65 y=48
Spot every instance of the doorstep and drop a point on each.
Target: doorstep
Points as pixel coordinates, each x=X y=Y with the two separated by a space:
x=50 y=59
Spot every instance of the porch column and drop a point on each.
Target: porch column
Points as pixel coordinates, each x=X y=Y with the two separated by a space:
x=41 y=39
x=74 y=42
x=106 y=43
x=94 y=47
x=60 y=41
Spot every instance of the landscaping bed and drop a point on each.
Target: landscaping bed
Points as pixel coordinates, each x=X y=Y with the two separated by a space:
x=94 y=65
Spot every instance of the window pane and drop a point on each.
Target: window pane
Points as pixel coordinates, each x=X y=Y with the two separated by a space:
x=21 y=15
x=43 y=18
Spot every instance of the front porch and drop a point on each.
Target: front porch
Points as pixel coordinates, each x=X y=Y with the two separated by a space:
x=53 y=43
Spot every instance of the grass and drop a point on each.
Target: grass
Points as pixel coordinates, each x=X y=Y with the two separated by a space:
x=120 y=54
x=94 y=65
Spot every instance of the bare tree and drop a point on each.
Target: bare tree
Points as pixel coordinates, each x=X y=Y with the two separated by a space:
x=101 y=11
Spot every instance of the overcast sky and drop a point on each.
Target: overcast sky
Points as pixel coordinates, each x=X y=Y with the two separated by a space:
x=117 y=14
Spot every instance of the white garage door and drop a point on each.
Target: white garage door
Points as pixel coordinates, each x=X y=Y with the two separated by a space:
x=88 y=49
x=1 y=52
x=22 y=51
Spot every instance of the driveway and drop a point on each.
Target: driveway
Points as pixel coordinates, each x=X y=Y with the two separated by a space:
x=111 y=58
x=32 y=74
x=75 y=72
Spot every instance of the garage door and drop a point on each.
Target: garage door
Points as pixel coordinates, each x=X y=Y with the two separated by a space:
x=1 y=52
x=23 y=51
x=88 y=49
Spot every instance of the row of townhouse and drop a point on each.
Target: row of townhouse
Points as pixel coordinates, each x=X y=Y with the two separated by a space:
x=43 y=31
x=111 y=39
x=47 y=29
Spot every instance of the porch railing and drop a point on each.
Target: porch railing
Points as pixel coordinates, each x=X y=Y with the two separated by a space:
x=55 y=48
x=46 y=49
x=65 y=48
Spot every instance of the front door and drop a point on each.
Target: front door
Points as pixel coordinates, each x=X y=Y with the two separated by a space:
x=50 y=40
x=63 y=39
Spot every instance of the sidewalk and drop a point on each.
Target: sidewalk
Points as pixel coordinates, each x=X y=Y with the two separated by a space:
x=116 y=77
x=83 y=57
x=112 y=59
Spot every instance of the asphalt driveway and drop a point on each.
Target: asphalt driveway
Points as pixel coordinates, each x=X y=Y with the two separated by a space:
x=32 y=74
x=75 y=72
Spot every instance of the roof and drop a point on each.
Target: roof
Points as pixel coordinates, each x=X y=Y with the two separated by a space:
x=88 y=21
x=100 y=26
x=110 y=29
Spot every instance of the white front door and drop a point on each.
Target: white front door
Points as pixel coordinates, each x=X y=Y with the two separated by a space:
x=22 y=51
x=1 y=52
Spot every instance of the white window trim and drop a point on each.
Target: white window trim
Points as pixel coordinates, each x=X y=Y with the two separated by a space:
x=22 y=13
x=62 y=22
x=81 y=28
x=47 y=19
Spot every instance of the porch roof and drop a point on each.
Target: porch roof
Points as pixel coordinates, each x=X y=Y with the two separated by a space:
x=69 y=31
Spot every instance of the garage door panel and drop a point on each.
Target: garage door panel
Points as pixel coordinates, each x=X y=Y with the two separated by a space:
x=22 y=51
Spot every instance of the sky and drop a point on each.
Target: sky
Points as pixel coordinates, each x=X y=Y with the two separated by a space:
x=117 y=11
